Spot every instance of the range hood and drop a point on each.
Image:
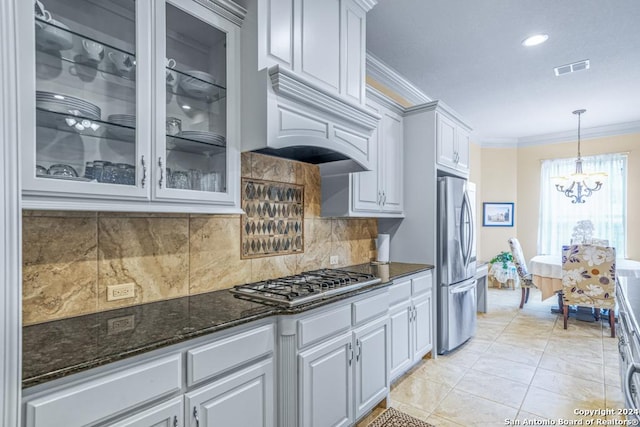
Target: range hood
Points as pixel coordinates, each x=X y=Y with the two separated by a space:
x=287 y=116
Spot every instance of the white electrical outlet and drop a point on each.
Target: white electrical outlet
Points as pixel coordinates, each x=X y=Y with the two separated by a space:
x=121 y=291
x=333 y=259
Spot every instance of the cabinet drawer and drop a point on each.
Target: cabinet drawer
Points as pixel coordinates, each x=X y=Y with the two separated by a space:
x=212 y=359
x=323 y=325
x=399 y=292
x=86 y=403
x=370 y=308
x=422 y=283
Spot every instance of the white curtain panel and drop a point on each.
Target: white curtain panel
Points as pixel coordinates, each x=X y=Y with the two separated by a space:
x=606 y=208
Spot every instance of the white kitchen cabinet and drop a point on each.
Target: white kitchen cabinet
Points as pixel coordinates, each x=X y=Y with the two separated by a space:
x=422 y=328
x=88 y=402
x=230 y=381
x=452 y=144
x=402 y=337
x=344 y=378
x=167 y=414
x=130 y=105
x=411 y=321
x=321 y=40
x=244 y=398
x=334 y=362
x=326 y=383
x=371 y=365
x=379 y=192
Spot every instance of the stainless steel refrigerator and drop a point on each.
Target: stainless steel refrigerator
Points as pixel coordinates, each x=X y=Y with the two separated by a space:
x=457 y=304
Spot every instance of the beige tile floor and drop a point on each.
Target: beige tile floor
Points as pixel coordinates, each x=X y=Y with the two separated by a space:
x=520 y=365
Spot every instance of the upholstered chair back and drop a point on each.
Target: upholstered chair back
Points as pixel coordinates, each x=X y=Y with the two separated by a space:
x=518 y=258
x=589 y=275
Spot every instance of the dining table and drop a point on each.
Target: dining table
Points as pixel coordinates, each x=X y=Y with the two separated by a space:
x=547 y=272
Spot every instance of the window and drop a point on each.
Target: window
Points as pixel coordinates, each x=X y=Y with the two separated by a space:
x=606 y=208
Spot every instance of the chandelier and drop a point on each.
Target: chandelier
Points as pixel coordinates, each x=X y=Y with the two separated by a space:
x=579 y=185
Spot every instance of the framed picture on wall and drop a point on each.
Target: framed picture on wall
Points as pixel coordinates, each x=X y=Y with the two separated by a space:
x=497 y=214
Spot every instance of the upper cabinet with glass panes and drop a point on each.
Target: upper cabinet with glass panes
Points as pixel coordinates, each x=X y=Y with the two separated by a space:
x=131 y=105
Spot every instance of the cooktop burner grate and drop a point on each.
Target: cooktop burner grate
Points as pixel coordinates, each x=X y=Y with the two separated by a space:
x=306 y=287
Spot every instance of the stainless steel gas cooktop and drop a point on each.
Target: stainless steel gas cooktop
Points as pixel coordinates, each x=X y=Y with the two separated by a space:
x=305 y=287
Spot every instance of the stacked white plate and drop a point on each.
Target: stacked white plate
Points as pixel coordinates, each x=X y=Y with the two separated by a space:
x=203 y=136
x=128 y=120
x=197 y=84
x=67 y=104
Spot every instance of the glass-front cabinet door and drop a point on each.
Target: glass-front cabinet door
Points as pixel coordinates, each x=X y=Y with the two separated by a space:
x=129 y=105
x=194 y=159
x=89 y=103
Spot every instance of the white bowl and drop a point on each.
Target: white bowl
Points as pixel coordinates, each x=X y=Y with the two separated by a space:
x=197 y=84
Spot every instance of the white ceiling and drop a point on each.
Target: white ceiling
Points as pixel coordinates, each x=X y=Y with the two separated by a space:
x=468 y=53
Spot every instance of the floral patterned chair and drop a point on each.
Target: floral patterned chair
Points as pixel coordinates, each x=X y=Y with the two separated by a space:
x=526 y=282
x=589 y=279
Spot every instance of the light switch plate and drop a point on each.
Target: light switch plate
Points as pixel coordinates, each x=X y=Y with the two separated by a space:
x=333 y=259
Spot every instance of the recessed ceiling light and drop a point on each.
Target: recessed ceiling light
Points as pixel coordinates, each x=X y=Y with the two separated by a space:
x=535 y=40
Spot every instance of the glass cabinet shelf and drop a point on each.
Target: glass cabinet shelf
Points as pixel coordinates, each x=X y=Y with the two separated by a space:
x=196 y=85
x=60 y=43
x=85 y=126
x=188 y=145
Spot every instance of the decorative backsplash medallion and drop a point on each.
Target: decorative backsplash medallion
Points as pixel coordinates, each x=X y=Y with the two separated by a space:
x=273 y=223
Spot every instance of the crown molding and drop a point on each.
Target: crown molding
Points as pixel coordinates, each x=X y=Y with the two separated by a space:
x=288 y=84
x=588 y=133
x=384 y=74
x=383 y=99
x=441 y=108
x=366 y=5
x=227 y=8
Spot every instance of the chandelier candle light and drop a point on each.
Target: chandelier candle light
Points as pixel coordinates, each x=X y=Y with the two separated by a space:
x=579 y=185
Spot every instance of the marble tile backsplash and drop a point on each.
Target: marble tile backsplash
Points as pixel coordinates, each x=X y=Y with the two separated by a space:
x=69 y=258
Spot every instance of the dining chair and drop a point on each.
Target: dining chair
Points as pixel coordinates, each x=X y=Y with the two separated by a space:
x=589 y=280
x=526 y=280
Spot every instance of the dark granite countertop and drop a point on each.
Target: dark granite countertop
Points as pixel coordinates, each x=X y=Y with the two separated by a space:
x=60 y=348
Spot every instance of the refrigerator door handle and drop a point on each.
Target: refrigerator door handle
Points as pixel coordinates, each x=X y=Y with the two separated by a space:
x=465 y=230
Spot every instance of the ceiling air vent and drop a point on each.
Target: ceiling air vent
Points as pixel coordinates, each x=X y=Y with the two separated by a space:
x=572 y=68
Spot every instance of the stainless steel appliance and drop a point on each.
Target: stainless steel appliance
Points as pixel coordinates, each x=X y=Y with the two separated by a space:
x=457 y=304
x=305 y=287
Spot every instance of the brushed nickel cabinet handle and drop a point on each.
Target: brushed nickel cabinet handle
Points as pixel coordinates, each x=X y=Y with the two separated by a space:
x=195 y=415
x=144 y=172
x=161 y=172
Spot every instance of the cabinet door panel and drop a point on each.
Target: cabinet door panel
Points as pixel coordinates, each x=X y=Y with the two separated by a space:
x=326 y=384
x=391 y=158
x=463 y=149
x=195 y=157
x=446 y=142
x=401 y=336
x=85 y=123
x=168 y=414
x=372 y=365
x=423 y=336
x=353 y=58
x=279 y=31
x=321 y=42
x=366 y=196
x=241 y=399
